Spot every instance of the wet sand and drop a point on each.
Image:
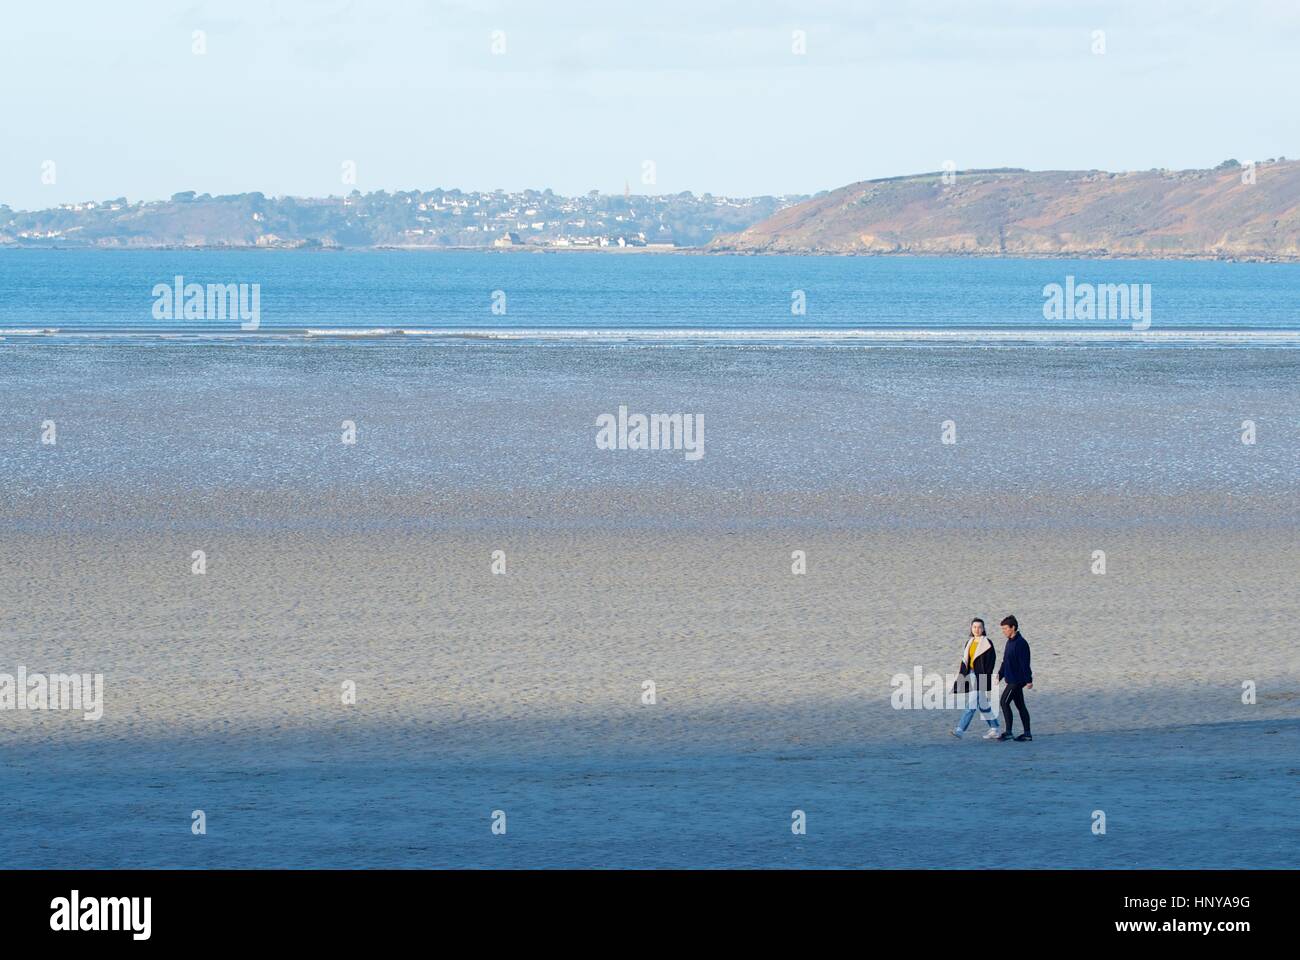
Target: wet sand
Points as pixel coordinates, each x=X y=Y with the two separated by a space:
x=523 y=692
x=332 y=568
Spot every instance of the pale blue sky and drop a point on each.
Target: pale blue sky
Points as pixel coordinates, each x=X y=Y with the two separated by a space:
x=589 y=89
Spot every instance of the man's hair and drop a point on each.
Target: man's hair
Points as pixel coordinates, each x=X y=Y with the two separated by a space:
x=1010 y=621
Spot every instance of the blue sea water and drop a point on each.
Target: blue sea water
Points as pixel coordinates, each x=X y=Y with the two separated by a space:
x=644 y=295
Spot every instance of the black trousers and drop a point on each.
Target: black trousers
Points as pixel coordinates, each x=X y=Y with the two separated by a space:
x=1013 y=693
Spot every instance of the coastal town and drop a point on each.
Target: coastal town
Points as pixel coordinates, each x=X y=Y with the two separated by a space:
x=497 y=219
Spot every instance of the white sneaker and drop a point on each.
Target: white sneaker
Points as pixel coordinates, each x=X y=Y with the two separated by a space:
x=957 y=734
x=993 y=733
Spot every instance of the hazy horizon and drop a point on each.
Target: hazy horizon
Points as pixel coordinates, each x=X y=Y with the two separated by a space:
x=232 y=98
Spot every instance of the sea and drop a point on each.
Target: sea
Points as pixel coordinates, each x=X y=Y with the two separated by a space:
x=84 y=294
x=851 y=377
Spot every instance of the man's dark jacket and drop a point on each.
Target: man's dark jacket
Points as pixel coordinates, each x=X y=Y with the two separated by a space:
x=1015 y=661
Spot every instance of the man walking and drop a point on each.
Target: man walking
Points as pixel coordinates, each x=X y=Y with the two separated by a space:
x=1016 y=677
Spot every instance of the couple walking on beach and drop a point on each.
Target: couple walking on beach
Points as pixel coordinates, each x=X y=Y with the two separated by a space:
x=976 y=679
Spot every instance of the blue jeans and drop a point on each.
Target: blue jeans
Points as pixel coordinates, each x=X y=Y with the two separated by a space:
x=978 y=700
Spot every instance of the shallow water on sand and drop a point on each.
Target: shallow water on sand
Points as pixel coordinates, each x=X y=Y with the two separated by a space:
x=171 y=432
x=1214 y=796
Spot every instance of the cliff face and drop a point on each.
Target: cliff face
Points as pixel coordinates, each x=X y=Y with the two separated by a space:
x=1190 y=213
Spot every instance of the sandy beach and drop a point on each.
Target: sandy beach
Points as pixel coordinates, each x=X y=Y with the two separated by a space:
x=348 y=682
x=523 y=692
x=742 y=652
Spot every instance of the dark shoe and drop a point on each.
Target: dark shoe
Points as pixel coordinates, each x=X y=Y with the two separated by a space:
x=1023 y=737
x=1007 y=736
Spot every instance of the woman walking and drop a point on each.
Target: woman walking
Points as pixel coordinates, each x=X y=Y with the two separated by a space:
x=976 y=679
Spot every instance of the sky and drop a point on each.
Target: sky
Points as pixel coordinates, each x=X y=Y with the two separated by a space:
x=101 y=100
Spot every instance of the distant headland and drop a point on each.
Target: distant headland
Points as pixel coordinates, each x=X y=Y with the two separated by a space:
x=1235 y=211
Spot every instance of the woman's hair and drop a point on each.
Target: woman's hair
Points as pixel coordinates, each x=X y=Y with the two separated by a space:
x=983 y=629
